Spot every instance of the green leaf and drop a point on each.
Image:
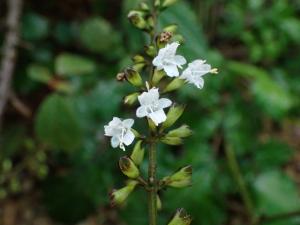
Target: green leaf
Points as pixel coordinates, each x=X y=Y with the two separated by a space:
x=272 y=154
x=97 y=35
x=57 y=123
x=39 y=73
x=274 y=99
x=276 y=193
x=34 y=27
x=69 y=64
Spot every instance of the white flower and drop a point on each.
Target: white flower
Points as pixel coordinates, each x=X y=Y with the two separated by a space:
x=120 y=131
x=152 y=106
x=168 y=60
x=196 y=69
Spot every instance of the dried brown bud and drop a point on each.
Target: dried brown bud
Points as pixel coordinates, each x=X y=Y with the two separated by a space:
x=165 y=37
x=121 y=76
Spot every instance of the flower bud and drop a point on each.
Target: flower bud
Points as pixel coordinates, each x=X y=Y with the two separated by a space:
x=131 y=99
x=138 y=66
x=182 y=178
x=151 y=125
x=157 y=76
x=137 y=154
x=128 y=167
x=173 y=115
x=136 y=133
x=181 y=218
x=150 y=22
x=138 y=59
x=167 y=3
x=164 y=38
x=171 y=140
x=158 y=203
x=133 y=77
x=174 y=85
x=182 y=132
x=171 y=28
x=144 y=6
x=178 y=38
x=150 y=50
x=121 y=76
x=119 y=196
x=137 y=19
x=157 y=3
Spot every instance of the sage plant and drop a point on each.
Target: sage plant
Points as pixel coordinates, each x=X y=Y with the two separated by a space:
x=155 y=73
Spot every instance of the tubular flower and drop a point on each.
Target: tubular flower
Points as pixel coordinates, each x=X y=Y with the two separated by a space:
x=168 y=60
x=120 y=131
x=194 y=72
x=152 y=106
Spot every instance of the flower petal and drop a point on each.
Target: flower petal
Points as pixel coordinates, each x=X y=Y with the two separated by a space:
x=158 y=116
x=171 y=70
x=128 y=138
x=141 y=111
x=199 y=82
x=115 y=141
x=164 y=103
x=108 y=131
x=128 y=123
x=157 y=61
x=180 y=60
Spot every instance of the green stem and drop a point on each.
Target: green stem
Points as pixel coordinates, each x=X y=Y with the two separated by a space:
x=237 y=175
x=152 y=184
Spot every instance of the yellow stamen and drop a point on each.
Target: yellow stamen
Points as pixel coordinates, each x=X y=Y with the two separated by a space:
x=214 y=71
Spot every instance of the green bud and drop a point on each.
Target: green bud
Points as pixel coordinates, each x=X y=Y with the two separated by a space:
x=119 y=196
x=133 y=77
x=171 y=140
x=173 y=115
x=144 y=6
x=167 y=3
x=138 y=66
x=150 y=50
x=128 y=167
x=136 y=133
x=158 y=203
x=171 y=28
x=157 y=3
x=137 y=19
x=138 y=59
x=182 y=178
x=181 y=218
x=182 y=132
x=151 y=22
x=131 y=99
x=151 y=125
x=179 y=38
x=137 y=154
x=6 y=165
x=157 y=76
x=174 y=85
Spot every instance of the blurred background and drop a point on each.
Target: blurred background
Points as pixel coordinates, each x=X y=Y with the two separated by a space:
x=56 y=167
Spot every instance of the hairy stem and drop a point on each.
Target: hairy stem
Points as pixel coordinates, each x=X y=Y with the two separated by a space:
x=237 y=176
x=152 y=184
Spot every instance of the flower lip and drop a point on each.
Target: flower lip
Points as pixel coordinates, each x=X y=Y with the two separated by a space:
x=194 y=72
x=120 y=132
x=168 y=60
x=152 y=106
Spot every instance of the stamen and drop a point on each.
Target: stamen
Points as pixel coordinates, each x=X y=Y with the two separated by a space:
x=214 y=71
